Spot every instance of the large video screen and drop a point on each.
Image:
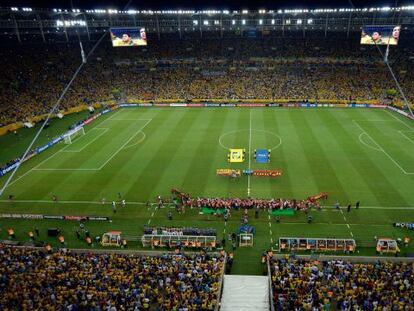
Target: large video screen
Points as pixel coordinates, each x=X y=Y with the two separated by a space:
x=128 y=37
x=382 y=35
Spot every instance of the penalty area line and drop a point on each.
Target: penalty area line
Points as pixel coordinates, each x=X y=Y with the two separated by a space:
x=56 y=152
x=383 y=150
x=126 y=143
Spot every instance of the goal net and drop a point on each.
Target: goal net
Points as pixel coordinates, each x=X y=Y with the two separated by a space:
x=72 y=134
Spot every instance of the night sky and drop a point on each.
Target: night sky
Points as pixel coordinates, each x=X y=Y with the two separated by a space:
x=207 y=4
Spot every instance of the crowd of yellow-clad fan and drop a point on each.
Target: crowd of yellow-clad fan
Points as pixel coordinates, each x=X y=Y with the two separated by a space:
x=34 y=75
x=39 y=280
x=342 y=285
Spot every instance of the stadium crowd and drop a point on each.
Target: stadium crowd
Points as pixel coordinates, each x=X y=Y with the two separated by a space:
x=340 y=285
x=35 y=280
x=34 y=75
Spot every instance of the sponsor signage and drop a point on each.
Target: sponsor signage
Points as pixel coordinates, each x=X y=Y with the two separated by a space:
x=55 y=217
x=195 y=105
x=267 y=173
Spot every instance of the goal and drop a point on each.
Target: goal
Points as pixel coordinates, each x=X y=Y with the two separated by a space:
x=72 y=134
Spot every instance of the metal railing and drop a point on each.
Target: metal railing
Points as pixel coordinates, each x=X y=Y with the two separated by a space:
x=220 y=290
x=269 y=276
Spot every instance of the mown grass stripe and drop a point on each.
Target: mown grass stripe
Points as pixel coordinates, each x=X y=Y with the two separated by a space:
x=320 y=165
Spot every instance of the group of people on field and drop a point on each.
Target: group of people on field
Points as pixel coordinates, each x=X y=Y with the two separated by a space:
x=249 y=203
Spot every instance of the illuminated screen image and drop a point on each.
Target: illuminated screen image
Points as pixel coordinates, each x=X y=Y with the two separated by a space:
x=382 y=35
x=128 y=37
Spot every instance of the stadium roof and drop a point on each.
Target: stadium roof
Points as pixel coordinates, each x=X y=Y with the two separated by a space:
x=207 y=4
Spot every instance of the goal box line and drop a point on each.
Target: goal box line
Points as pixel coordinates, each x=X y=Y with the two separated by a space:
x=68 y=137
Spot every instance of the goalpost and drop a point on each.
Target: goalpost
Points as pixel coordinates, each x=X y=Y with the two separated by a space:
x=72 y=134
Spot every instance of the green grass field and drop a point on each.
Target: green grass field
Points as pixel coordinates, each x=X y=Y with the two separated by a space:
x=353 y=154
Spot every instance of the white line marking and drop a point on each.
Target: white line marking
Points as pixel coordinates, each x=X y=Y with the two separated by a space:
x=399 y=120
x=106 y=162
x=332 y=209
x=402 y=133
x=253 y=130
x=250 y=146
x=152 y=215
x=364 y=143
x=95 y=138
x=138 y=142
x=116 y=152
x=35 y=167
x=362 y=120
x=346 y=222
x=65 y=169
x=335 y=224
x=328 y=208
x=382 y=149
x=67 y=202
x=51 y=156
x=108 y=119
x=130 y=119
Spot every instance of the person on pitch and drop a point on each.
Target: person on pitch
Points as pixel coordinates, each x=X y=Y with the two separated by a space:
x=160 y=202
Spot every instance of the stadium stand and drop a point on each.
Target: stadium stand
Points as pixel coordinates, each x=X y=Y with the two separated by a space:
x=193 y=68
x=271 y=68
x=340 y=285
x=63 y=280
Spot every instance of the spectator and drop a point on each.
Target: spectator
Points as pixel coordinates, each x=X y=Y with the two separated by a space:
x=32 y=279
x=301 y=284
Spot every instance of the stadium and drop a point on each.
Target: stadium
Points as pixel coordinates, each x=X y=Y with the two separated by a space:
x=207 y=159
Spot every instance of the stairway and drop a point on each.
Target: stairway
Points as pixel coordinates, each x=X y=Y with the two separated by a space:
x=245 y=293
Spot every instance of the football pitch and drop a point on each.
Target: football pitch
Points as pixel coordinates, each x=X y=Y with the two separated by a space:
x=364 y=155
